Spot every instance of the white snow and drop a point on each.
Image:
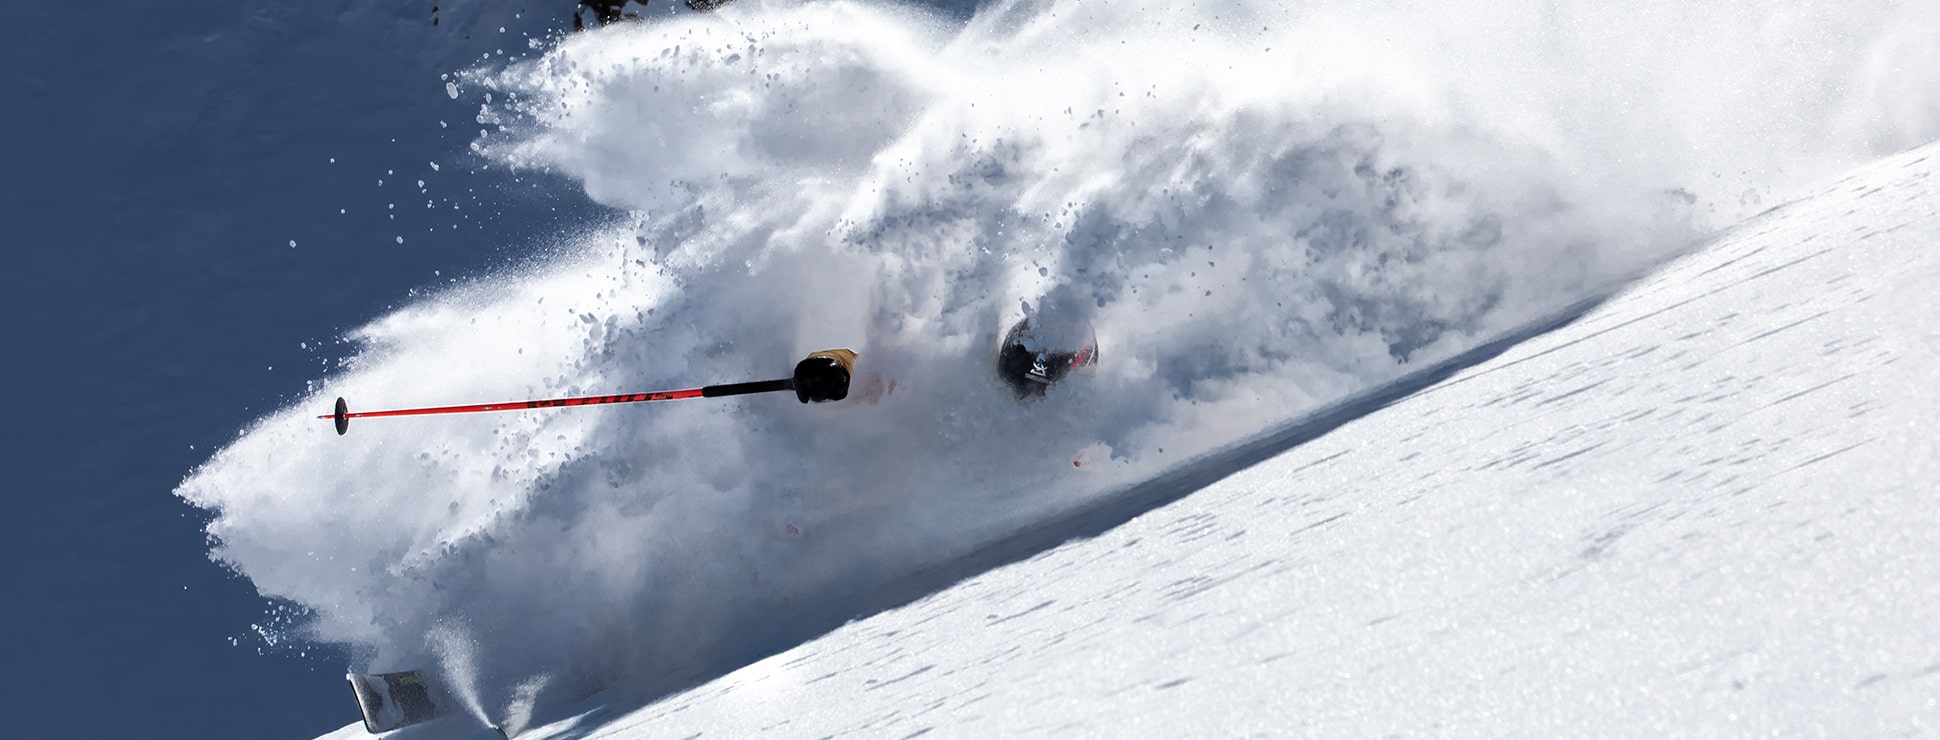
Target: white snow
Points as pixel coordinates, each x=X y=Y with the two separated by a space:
x=1705 y=509
x=1259 y=222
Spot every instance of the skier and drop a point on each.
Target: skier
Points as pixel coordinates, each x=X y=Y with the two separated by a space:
x=1036 y=353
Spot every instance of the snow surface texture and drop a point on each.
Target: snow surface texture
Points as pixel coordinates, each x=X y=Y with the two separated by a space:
x=1260 y=209
x=1706 y=509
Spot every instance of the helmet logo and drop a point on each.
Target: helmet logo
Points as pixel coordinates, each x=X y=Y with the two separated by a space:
x=1040 y=372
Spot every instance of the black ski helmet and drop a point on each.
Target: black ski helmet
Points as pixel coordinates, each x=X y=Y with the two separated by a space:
x=1036 y=354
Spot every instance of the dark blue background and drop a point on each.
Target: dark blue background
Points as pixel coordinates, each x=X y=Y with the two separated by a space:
x=160 y=157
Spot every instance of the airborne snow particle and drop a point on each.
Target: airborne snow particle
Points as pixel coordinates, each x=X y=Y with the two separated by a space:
x=400 y=240
x=451 y=90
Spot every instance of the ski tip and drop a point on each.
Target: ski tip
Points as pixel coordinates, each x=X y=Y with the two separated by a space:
x=342 y=416
x=389 y=701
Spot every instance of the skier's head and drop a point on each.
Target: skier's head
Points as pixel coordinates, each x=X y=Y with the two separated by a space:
x=1037 y=353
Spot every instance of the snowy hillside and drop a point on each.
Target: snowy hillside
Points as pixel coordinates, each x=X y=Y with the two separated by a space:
x=1705 y=508
x=1263 y=211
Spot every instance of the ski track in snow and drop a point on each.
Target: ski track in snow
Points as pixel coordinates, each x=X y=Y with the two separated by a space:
x=1261 y=210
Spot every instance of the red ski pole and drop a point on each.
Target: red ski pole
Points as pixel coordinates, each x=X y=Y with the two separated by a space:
x=343 y=414
x=823 y=376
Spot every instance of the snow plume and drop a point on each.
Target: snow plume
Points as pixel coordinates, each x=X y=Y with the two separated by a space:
x=1259 y=208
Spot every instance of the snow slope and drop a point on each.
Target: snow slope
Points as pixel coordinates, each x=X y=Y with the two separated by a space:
x=1259 y=222
x=1705 y=508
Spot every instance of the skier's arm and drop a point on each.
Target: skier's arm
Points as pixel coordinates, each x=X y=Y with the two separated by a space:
x=824 y=375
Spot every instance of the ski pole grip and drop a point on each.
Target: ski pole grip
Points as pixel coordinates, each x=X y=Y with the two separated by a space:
x=824 y=376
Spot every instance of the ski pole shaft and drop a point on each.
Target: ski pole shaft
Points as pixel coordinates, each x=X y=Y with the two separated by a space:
x=342 y=415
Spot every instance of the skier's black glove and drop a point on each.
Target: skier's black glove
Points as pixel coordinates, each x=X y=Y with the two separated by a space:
x=824 y=376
